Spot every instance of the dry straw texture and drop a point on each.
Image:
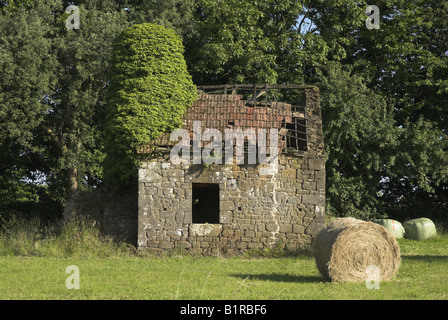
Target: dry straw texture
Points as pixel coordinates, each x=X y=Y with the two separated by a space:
x=346 y=247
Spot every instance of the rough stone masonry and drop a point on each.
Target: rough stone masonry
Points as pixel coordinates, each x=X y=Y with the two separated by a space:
x=246 y=210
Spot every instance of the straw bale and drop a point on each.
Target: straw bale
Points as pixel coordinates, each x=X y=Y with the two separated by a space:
x=346 y=247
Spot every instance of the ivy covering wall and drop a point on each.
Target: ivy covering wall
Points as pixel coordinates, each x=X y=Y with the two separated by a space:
x=149 y=90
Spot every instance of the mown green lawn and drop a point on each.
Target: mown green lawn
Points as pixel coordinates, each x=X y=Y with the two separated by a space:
x=423 y=274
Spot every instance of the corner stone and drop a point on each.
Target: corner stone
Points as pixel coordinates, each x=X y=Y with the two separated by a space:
x=317 y=164
x=312 y=199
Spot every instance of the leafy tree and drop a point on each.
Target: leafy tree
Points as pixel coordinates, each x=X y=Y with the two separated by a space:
x=360 y=136
x=419 y=184
x=149 y=90
x=13 y=5
x=251 y=42
x=51 y=90
x=405 y=61
x=77 y=104
x=406 y=58
x=171 y=14
x=27 y=66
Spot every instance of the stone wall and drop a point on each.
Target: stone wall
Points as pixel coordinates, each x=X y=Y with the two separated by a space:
x=256 y=211
x=117 y=215
x=120 y=218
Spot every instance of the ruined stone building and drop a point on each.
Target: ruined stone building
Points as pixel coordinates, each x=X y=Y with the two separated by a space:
x=232 y=207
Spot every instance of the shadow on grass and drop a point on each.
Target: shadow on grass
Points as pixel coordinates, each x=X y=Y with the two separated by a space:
x=425 y=258
x=281 y=277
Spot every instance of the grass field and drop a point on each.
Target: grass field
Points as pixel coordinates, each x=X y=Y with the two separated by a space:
x=423 y=274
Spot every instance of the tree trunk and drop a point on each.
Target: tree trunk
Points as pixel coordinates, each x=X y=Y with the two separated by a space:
x=72 y=175
x=72 y=190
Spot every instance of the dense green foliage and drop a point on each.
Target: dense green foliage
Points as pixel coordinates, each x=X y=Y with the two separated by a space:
x=51 y=93
x=404 y=61
x=367 y=149
x=384 y=91
x=149 y=90
x=360 y=134
x=244 y=41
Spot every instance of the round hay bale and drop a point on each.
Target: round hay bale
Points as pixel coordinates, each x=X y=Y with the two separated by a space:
x=346 y=247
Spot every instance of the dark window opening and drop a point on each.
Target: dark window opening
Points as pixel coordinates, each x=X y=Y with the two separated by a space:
x=205 y=203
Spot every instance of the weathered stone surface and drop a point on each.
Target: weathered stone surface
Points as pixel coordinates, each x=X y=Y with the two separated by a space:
x=320 y=185
x=317 y=164
x=313 y=199
x=227 y=205
x=149 y=174
x=226 y=217
x=314 y=228
x=205 y=229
